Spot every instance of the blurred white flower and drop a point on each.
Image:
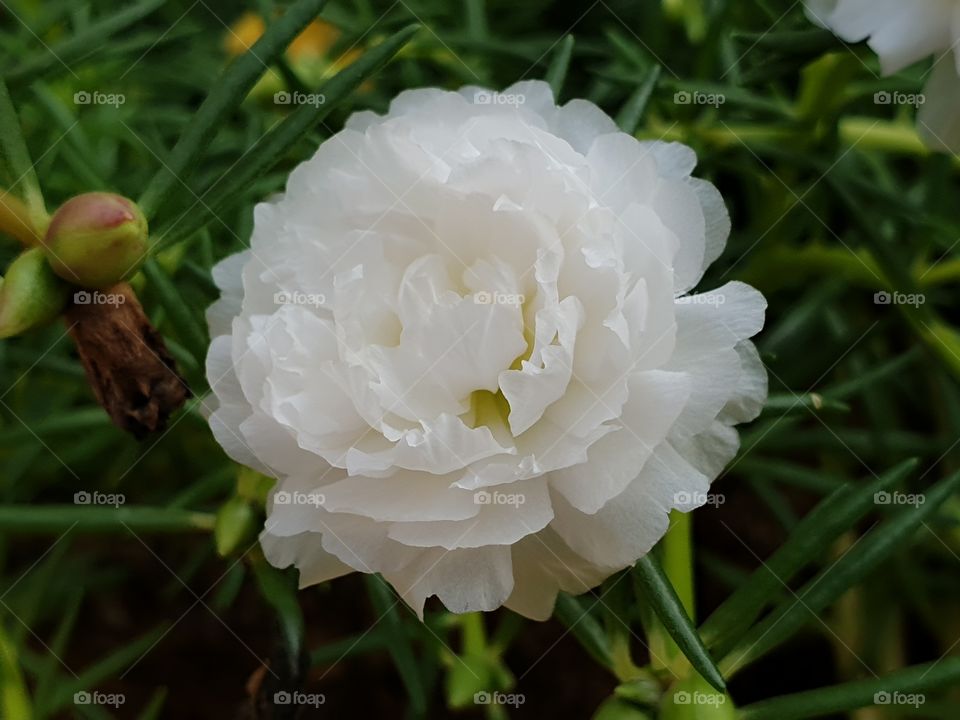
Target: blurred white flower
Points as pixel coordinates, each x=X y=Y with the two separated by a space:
x=902 y=33
x=497 y=389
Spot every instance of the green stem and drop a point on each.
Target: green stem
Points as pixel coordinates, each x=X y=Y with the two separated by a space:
x=862 y=693
x=677 y=562
x=678 y=557
x=941 y=273
x=100 y=518
x=887 y=136
x=14 y=698
x=727 y=136
x=474 y=634
x=864 y=133
x=15 y=220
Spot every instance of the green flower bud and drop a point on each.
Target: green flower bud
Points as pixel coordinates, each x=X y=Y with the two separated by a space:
x=30 y=294
x=96 y=239
x=234 y=525
x=254 y=487
x=616 y=709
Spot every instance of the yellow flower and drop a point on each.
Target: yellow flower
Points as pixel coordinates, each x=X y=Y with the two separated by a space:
x=314 y=43
x=309 y=54
x=243 y=34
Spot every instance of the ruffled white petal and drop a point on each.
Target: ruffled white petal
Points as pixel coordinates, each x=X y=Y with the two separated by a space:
x=628 y=526
x=544 y=565
x=461 y=343
x=938 y=121
x=616 y=459
x=902 y=34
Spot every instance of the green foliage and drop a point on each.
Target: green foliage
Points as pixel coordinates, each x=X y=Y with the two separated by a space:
x=833 y=199
x=228 y=92
x=16 y=170
x=659 y=593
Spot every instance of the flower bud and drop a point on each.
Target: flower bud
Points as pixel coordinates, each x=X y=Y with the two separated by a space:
x=30 y=294
x=254 y=487
x=96 y=239
x=234 y=525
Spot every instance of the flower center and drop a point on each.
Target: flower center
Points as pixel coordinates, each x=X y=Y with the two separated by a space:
x=488 y=409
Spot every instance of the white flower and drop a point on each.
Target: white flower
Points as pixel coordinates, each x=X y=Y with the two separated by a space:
x=498 y=390
x=901 y=33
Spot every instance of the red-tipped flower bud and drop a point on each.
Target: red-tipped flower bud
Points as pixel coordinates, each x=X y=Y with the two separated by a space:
x=96 y=239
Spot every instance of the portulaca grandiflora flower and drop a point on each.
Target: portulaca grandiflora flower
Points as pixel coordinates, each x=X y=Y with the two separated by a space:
x=902 y=33
x=461 y=339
